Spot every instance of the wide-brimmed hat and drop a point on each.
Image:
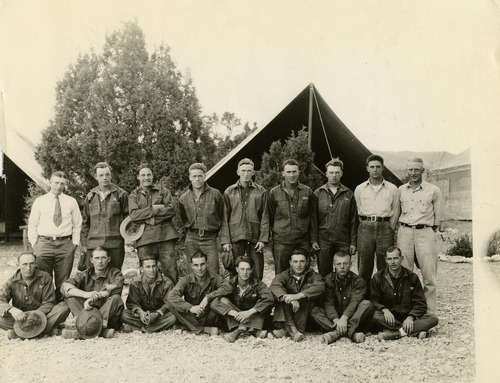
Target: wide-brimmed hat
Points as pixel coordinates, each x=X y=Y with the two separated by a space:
x=131 y=231
x=89 y=323
x=32 y=326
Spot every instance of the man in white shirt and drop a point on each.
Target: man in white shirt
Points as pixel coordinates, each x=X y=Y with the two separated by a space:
x=54 y=231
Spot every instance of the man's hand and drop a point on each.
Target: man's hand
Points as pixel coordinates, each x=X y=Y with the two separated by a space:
x=289 y=298
x=196 y=310
x=83 y=250
x=17 y=314
x=408 y=325
x=144 y=316
x=154 y=316
x=295 y=306
x=259 y=247
x=315 y=246
x=244 y=316
x=342 y=325
x=94 y=296
x=226 y=247
x=74 y=248
x=103 y=294
x=352 y=249
x=157 y=208
x=389 y=317
x=87 y=305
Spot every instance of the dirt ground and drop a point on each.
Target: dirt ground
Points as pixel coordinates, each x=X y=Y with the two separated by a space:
x=173 y=356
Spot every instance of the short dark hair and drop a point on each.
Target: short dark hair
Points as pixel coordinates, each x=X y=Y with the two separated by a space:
x=100 y=248
x=102 y=165
x=342 y=253
x=246 y=161
x=300 y=251
x=196 y=251
x=290 y=161
x=335 y=162
x=59 y=174
x=141 y=261
x=198 y=166
x=392 y=249
x=244 y=258
x=144 y=166
x=374 y=157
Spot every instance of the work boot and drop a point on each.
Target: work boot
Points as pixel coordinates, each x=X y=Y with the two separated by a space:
x=233 y=335
x=358 y=337
x=261 y=334
x=279 y=333
x=389 y=335
x=179 y=326
x=330 y=337
x=211 y=330
x=70 y=334
x=422 y=335
x=295 y=334
x=55 y=331
x=107 y=333
x=11 y=335
x=127 y=328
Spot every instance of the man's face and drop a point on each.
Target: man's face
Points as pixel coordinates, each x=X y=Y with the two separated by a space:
x=334 y=174
x=245 y=172
x=197 y=178
x=375 y=169
x=244 y=271
x=342 y=265
x=27 y=265
x=291 y=173
x=149 y=269
x=145 y=178
x=415 y=171
x=103 y=176
x=298 y=262
x=394 y=261
x=199 y=265
x=100 y=260
x=57 y=185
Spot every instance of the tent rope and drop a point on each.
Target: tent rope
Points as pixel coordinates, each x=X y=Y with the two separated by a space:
x=322 y=125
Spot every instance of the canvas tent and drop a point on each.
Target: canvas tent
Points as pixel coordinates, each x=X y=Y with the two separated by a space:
x=328 y=137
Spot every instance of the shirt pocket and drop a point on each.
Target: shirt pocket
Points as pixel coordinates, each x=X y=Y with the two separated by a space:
x=425 y=204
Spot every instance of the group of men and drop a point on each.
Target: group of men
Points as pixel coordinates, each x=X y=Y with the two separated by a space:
x=332 y=222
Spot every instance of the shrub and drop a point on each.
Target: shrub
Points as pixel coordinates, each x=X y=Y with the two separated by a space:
x=461 y=245
x=494 y=244
x=34 y=191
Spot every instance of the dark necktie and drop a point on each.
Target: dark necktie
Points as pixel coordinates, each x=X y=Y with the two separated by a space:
x=57 y=213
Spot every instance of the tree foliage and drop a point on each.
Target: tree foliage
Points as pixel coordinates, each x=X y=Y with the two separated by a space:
x=125 y=107
x=295 y=147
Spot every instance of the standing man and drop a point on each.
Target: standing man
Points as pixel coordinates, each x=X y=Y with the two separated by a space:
x=104 y=209
x=54 y=230
x=202 y=212
x=378 y=209
x=243 y=228
x=337 y=217
x=421 y=215
x=292 y=216
x=152 y=204
x=399 y=301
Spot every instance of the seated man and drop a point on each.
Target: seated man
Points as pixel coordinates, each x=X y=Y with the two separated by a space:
x=147 y=300
x=345 y=313
x=247 y=305
x=399 y=301
x=295 y=291
x=98 y=286
x=30 y=289
x=189 y=300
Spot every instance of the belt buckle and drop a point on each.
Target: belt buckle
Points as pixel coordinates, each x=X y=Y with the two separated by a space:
x=201 y=232
x=373 y=218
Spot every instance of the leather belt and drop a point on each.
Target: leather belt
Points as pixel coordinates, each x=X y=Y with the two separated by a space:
x=54 y=238
x=202 y=232
x=374 y=218
x=414 y=226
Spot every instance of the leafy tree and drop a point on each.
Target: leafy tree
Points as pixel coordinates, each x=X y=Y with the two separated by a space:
x=125 y=107
x=295 y=147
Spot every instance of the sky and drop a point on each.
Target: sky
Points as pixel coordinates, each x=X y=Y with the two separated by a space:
x=401 y=75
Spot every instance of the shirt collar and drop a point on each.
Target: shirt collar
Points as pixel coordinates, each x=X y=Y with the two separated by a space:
x=421 y=186
x=325 y=187
x=367 y=183
x=159 y=278
x=112 y=188
x=205 y=187
x=18 y=277
x=251 y=185
x=299 y=185
x=154 y=187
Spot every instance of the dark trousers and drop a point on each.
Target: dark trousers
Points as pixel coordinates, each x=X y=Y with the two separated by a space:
x=208 y=245
x=373 y=238
x=283 y=313
x=163 y=323
x=195 y=324
x=359 y=321
x=282 y=253
x=110 y=309
x=325 y=255
x=56 y=258
x=242 y=247
x=223 y=305
x=165 y=253
x=116 y=257
x=424 y=323
x=57 y=315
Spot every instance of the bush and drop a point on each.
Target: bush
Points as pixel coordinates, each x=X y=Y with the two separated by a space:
x=494 y=244
x=461 y=245
x=34 y=191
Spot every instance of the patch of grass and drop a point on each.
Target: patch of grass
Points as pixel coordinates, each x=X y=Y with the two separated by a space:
x=461 y=245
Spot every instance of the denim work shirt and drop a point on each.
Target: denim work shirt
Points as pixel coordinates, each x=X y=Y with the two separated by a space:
x=312 y=284
x=86 y=280
x=204 y=213
x=343 y=295
x=408 y=300
x=213 y=286
x=158 y=227
x=101 y=219
x=243 y=214
x=38 y=295
x=422 y=206
x=292 y=220
x=140 y=296
x=337 y=215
